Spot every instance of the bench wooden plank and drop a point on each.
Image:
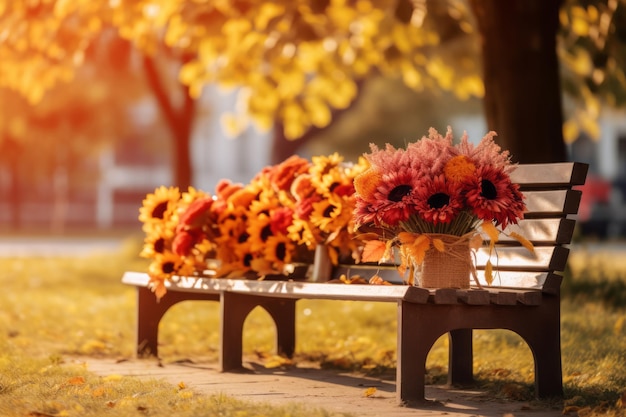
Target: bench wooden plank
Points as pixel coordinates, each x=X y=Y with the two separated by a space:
x=503 y=297
x=474 y=296
x=556 y=231
x=551 y=175
x=517 y=258
x=551 y=203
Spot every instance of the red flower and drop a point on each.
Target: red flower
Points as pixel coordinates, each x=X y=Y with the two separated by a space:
x=183 y=242
x=492 y=196
x=437 y=200
x=281 y=218
x=304 y=207
x=196 y=214
x=393 y=200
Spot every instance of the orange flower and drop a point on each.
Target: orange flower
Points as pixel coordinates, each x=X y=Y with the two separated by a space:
x=459 y=169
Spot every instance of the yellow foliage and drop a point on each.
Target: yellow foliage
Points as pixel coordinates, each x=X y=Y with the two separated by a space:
x=312 y=53
x=570 y=131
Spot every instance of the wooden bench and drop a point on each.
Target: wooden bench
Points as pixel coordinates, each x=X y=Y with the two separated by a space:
x=524 y=298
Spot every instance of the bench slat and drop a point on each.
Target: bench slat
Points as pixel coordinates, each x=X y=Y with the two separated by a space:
x=552 y=203
x=550 y=175
x=517 y=258
x=515 y=279
x=542 y=231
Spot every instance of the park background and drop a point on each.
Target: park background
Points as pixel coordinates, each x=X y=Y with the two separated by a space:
x=94 y=114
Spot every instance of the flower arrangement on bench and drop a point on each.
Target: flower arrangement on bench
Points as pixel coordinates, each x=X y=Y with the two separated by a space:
x=425 y=208
x=431 y=201
x=255 y=230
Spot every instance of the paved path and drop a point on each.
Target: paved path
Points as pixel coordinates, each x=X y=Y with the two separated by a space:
x=336 y=392
x=58 y=246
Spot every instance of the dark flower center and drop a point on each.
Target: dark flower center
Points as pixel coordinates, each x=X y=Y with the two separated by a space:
x=438 y=200
x=247 y=260
x=243 y=237
x=266 y=232
x=329 y=210
x=168 y=267
x=159 y=245
x=488 y=190
x=159 y=210
x=281 y=251
x=398 y=192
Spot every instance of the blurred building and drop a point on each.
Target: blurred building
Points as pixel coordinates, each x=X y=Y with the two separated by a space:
x=105 y=190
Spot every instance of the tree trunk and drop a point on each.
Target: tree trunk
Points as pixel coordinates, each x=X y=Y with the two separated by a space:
x=521 y=75
x=180 y=122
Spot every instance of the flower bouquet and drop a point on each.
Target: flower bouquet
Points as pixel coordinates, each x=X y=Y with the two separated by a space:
x=261 y=229
x=426 y=206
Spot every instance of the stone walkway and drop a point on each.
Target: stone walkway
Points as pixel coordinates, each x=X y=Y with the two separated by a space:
x=336 y=392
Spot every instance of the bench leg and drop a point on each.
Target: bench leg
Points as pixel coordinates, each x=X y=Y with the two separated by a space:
x=235 y=309
x=545 y=343
x=150 y=311
x=416 y=336
x=460 y=359
x=283 y=312
x=149 y=314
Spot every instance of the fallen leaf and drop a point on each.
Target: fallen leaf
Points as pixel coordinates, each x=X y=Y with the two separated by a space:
x=76 y=380
x=370 y=392
x=377 y=280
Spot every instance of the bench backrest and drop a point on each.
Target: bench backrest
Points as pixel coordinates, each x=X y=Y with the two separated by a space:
x=549 y=223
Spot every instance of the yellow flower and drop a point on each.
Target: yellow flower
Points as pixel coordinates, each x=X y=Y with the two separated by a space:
x=259 y=230
x=459 y=168
x=278 y=250
x=324 y=169
x=301 y=232
x=156 y=243
x=157 y=205
x=167 y=264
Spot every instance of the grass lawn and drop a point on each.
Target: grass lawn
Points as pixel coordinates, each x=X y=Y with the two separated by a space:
x=55 y=308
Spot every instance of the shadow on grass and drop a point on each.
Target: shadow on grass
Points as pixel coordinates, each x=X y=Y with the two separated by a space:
x=595 y=285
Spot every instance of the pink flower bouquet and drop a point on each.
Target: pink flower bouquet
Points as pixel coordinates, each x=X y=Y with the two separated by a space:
x=436 y=197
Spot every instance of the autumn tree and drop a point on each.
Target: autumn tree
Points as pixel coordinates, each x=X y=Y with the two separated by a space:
x=296 y=64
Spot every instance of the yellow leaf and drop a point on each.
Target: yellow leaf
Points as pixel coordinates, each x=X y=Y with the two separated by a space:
x=112 y=378
x=181 y=385
x=491 y=231
x=232 y=124
x=570 y=131
x=369 y=392
x=266 y=13
x=76 y=380
x=318 y=111
x=373 y=251
x=489 y=273
x=416 y=245
x=525 y=242
x=377 y=280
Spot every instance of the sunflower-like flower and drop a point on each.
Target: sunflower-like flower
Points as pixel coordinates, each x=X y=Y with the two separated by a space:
x=492 y=196
x=159 y=208
x=437 y=201
x=394 y=199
